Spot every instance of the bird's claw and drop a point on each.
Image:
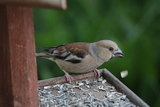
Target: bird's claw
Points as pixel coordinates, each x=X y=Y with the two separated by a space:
x=97 y=73
x=68 y=77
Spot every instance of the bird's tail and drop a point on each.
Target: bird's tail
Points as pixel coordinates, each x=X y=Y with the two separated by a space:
x=45 y=55
x=41 y=55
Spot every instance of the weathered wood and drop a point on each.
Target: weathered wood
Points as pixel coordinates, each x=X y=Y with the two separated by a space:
x=106 y=75
x=18 y=77
x=56 y=4
x=123 y=89
x=61 y=80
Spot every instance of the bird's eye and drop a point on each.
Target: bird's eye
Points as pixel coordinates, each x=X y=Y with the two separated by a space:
x=111 y=49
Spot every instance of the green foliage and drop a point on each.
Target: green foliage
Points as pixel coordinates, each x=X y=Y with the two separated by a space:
x=134 y=25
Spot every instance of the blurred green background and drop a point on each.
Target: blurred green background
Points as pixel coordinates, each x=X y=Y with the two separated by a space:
x=133 y=24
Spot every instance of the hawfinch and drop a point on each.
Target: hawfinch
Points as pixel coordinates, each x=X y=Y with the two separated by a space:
x=82 y=57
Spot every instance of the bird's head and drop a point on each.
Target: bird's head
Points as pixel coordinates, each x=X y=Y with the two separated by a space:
x=108 y=49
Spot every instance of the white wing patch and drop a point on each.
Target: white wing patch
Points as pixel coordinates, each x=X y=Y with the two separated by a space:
x=65 y=54
x=73 y=57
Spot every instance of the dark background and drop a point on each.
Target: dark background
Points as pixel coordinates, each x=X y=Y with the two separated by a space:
x=133 y=24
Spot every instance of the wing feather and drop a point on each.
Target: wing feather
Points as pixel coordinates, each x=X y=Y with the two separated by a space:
x=68 y=52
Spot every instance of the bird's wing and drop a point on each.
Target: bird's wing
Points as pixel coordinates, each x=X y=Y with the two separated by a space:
x=73 y=53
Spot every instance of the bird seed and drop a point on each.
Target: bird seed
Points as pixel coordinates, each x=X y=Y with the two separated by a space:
x=83 y=93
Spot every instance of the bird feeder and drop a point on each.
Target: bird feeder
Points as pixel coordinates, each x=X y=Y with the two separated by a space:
x=18 y=73
x=87 y=90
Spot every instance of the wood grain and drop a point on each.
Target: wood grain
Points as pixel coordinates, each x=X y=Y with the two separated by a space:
x=123 y=89
x=56 y=4
x=60 y=80
x=18 y=76
x=106 y=75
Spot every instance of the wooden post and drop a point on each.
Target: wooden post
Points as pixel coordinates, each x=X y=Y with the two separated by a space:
x=18 y=74
x=18 y=77
x=56 y=4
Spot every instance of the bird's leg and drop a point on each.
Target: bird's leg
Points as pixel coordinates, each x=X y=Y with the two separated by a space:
x=97 y=73
x=68 y=77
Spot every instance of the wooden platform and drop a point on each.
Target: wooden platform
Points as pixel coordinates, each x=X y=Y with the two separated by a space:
x=106 y=75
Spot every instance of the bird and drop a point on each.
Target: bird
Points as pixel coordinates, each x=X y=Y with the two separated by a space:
x=82 y=57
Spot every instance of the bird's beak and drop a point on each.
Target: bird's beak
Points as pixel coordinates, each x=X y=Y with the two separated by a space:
x=118 y=53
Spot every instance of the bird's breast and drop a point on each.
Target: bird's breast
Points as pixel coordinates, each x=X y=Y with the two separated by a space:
x=86 y=65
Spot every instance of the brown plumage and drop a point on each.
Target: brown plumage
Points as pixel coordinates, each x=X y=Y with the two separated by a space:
x=82 y=57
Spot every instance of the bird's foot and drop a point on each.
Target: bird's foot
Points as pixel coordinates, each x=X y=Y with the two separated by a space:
x=97 y=73
x=68 y=77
